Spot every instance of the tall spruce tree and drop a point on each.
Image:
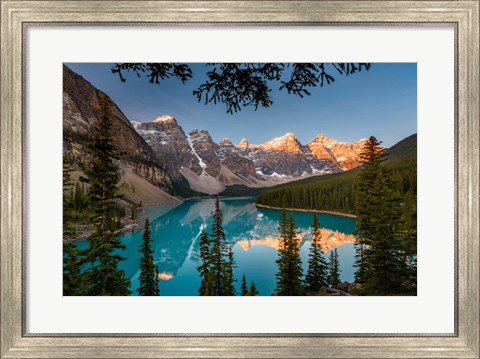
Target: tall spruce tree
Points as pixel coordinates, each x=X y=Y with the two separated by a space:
x=289 y=275
x=221 y=261
x=74 y=282
x=334 y=269
x=204 y=267
x=359 y=262
x=101 y=175
x=252 y=290
x=148 y=276
x=228 y=287
x=316 y=276
x=243 y=287
x=218 y=253
x=381 y=263
x=73 y=278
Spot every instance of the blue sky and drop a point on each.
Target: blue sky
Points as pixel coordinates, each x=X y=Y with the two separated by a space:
x=380 y=102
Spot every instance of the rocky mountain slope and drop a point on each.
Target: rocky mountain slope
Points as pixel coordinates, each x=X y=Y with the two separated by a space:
x=210 y=167
x=138 y=162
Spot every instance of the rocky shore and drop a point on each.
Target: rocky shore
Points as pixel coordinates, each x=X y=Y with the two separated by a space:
x=82 y=231
x=344 y=289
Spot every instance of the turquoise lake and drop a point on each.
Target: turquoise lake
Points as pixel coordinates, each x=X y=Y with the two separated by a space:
x=251 y=231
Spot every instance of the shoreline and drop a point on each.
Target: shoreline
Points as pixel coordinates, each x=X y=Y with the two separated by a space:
x=308 y=210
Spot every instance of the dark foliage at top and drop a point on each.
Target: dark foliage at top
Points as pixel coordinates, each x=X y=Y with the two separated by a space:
x=240 y=85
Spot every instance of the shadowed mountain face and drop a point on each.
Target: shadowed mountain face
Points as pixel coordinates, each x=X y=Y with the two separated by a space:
x=210 y=167
x=81 y=105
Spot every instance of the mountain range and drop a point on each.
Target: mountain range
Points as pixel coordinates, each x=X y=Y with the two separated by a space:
x=210 y=167
x=159 y=159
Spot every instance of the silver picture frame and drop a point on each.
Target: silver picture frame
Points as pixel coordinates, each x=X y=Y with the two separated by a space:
x=16 y=16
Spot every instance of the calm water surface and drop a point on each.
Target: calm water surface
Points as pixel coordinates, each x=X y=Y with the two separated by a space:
x=251 y=231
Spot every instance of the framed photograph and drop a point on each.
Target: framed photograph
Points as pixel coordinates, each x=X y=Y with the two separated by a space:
x=240 y=179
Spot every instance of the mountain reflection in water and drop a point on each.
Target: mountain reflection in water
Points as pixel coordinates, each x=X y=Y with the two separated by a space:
x=251 y=231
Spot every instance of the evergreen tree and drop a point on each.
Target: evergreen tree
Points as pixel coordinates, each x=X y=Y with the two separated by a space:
x=204 y=268
x=289 y=273
x=217 y=260
x=359 y=263
x=381 y=262
x=409 y=223
x=218 y=250
x=68 y=229
x=220 y=257
x=148 y=278
x=409 y=234
x=252 y=291
x=228 y=287
x=316 y=276
x=73 y=279
x=334 y=269
x=102 y=177
x=244 y=288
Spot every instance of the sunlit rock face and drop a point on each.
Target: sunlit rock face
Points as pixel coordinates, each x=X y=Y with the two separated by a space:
x=345 y=155
x=329 y=240
x=285 y=158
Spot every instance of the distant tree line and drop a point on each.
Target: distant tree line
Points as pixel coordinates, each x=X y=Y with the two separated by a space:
x=337 y=192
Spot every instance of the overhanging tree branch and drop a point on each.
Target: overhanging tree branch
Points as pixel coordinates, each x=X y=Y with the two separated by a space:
x=240 y=85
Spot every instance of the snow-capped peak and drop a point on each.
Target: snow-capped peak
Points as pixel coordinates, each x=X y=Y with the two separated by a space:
x=287 y=142
x=164 y=118
x=243 y=143
x=225 y=141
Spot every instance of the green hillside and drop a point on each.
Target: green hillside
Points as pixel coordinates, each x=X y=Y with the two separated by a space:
x=336 y=192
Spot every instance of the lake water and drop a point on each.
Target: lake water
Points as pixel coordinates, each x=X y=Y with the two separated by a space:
x=251 y=231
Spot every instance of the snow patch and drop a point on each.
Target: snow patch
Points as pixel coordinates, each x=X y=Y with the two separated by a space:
x=164 y=118
x=323 y=172
x=200 y=161
x=148 y=132
x=275 y=174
